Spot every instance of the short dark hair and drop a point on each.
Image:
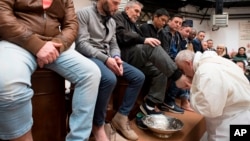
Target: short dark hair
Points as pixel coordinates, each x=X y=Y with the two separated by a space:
x=241 y=48
x=187 y=23
x=176 y=15
x=209 y=40
x=161 y=12
x=201 y=31
x=241 y=61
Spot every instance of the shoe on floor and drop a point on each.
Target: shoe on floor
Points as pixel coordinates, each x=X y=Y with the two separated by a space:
x=112 y=134
x=121 y=123
x=171 y=108
x=146 y=111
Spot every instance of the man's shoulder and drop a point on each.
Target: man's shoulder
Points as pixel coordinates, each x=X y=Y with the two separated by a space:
x=197 y=41
x=166 y=31
x=118 y=16
x=86 y=10
x=147 y=25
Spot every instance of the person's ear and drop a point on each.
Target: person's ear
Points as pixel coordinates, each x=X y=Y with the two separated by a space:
x=189 y=63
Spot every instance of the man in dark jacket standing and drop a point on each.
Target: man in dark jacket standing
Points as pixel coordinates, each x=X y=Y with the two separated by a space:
x=138 y=50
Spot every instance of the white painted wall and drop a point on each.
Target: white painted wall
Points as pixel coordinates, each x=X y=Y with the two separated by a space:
x=226 y=35
x=81 y=3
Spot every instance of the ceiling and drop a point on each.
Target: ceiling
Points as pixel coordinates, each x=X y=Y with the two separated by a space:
x=175 y=4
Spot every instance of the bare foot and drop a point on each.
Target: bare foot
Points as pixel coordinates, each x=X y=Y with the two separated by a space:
x=186 y=105
x=99 y=133
x=187 y=108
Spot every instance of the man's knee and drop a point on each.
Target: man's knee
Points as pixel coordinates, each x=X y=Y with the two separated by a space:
x=26 y=137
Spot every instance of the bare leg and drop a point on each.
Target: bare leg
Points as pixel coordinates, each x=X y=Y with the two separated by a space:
x=26 y=137
x=99 y=133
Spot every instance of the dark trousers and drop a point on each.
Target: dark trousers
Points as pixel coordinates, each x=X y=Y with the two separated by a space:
x=155 y=63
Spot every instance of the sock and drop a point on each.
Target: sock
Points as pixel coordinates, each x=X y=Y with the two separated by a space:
x=149 y=107
x=149 y=104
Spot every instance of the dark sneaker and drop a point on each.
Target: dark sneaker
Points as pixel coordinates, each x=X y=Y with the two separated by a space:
x=171 y=108
x=146 y=111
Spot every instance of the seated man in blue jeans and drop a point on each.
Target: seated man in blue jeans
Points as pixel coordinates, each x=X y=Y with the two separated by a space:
x=97 y=40
x=31 y=37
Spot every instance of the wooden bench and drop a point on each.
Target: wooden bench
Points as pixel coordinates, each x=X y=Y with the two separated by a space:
x=50 y=109
x=48 y=106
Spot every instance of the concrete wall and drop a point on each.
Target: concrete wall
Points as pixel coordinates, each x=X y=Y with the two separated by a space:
x=230 y=36
x=81 y=3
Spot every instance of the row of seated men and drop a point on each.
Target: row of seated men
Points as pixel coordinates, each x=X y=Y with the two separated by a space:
x=108 y=44
x=30 y=40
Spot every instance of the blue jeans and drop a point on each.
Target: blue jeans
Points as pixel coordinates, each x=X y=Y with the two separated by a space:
x=173 y=92
x=108 y=82
x=17 y=66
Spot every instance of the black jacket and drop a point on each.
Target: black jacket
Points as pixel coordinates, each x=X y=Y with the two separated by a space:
x=165 y=38
x=197 y=45
x=127 y=33
x=149 y=30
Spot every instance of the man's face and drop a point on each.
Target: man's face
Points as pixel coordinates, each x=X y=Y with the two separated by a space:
x=204 y=45
x=192 y=35
x=185 y=31
x=161 y=21
x=175 y=23
x=133 y=12
x=201 y=36
x=110 y=6
x=210 y=44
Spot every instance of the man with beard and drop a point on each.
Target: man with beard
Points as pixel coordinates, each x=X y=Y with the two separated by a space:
x=96 y=40
x=138 y=51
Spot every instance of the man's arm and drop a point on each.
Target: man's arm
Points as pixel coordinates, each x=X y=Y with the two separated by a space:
x=83 y=44
x=69 y=27
x=13 y=31
x=114 y=48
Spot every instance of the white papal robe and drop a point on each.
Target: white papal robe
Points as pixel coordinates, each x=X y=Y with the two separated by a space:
x=221 y=93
